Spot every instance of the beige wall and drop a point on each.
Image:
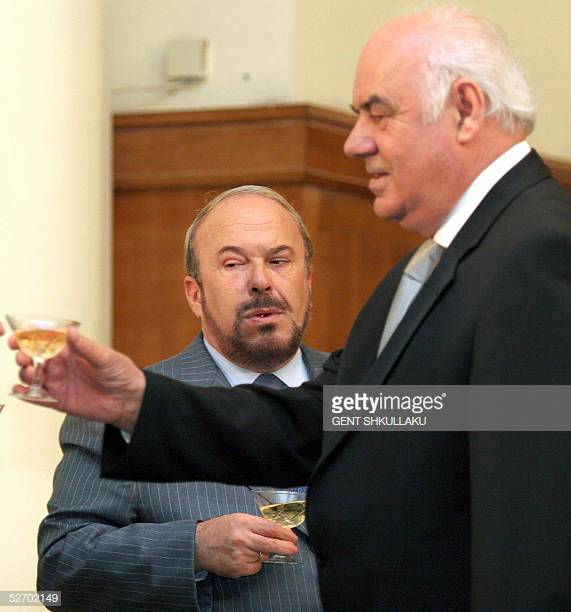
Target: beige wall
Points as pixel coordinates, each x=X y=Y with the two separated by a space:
x=53 y=231
x=250 y=52
x=328 y=37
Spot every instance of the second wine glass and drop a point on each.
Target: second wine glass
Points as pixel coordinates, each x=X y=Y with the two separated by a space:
x=286 y=508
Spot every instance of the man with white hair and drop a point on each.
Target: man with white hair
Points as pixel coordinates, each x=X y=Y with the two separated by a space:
x=408 y=521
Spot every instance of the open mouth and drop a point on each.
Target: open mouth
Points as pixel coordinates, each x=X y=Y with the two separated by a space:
x=262 y=314
x=377 y=180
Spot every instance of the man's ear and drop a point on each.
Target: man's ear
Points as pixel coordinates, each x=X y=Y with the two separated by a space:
x=310 y=286
x=310 y=276
x=469 y=103
x=193 y=294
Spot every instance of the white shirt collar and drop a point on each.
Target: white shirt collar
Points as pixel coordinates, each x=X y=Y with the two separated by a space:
x=293 y=373
x=472 y=197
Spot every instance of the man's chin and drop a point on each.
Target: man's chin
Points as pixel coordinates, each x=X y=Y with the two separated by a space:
x=267 y=339
x=260 y=333
x=385 y=209
x=264 y=353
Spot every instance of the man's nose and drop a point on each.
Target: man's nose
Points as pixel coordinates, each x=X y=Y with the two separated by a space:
x=359 y=143
x=260 y=282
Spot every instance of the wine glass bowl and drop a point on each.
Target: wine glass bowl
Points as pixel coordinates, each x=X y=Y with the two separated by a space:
x=41 y=338
x=286 y=508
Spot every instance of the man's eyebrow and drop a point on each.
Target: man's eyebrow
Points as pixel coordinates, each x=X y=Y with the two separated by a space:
x=239 y=251
x=374 y=99
x=279 y=249
x=230 y=249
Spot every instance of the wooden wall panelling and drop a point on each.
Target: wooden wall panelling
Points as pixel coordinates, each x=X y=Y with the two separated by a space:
x=151 y=317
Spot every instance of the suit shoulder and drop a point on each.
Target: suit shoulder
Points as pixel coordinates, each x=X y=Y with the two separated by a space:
x=164 y=366
x=549 y=201
x=315 y=353
x=171 y=365
x=314 y=359
x=540 y=213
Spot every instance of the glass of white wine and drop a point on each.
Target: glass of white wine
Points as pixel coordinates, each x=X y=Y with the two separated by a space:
x=286 y=508
x=41 y=338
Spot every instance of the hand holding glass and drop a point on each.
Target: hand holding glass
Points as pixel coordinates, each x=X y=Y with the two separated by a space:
x=41 y=338
x=286 y=508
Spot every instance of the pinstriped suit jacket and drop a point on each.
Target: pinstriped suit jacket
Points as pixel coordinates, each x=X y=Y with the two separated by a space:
x=121 y=545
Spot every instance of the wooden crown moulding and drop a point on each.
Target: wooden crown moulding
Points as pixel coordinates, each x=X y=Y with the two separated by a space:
x=232 y=115
x=272 y=144
x=266 y=145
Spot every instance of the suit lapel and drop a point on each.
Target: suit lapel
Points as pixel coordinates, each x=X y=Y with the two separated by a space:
x=196 y=366
x=314 y=360
x=366 y=334
x=420 y=307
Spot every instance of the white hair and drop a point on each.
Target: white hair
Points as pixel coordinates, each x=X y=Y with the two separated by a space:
x=474 y=47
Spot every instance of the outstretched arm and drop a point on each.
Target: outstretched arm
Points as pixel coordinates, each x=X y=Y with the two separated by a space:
x=275 y=436
x=188 y=433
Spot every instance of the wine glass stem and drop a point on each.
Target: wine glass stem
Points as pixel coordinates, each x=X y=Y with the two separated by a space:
x=36 y=387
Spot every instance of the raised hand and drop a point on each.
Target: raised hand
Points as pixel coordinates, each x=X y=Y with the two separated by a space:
x=229 y=545
x=89 y=380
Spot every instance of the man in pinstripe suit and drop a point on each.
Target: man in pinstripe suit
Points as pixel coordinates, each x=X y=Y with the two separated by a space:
x=117 y=545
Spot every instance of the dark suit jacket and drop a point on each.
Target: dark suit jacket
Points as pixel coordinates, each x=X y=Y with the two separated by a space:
x=122 y=545
x=430 y=520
